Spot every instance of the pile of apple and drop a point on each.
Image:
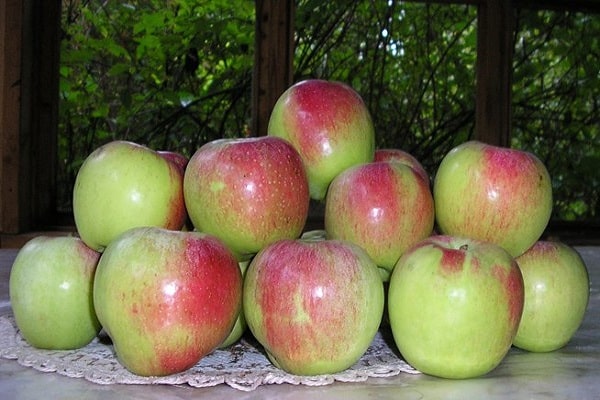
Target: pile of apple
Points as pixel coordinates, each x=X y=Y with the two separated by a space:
x=175 y=258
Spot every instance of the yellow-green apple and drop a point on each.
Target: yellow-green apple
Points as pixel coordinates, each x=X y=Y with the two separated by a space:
x=384 y=207
x=50 y=289
x=248 y=192
x=313 y=305
x=240 y=326
x=403 y=157
x=557 y=291
x=493 y=193
x=166 y=298
x=454 y=306
x=122 y=185
x=330 y=126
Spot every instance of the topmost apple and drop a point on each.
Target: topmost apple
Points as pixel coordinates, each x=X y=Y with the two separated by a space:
x=123 y=185
x=329 y=125
x=493 y=193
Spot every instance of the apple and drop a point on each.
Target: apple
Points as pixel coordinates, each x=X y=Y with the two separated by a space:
x=166 y=298
x=240 y=326
x=50 y=288
x=178 y=159
x=384 y=207
x=248 y=192
x=557 y=291
x=122 y=185
x=454 y=306
x=492 y=193
x=403 y=157
x=314 y=305
x=330 y=126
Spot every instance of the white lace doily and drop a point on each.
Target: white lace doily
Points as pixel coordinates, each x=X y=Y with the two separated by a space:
x=243 y=366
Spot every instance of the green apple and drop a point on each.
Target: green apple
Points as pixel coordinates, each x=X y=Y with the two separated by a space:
x=166 y=298
x=557 y=291
x=315 y=305
x=454 y=306
x=492 y=193
x=122 y=185
x=50 y=289
x=330 y=126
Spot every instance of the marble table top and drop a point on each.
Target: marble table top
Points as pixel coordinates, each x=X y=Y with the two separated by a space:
x=569 y=373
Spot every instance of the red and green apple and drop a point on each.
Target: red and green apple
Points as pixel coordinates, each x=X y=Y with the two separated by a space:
x=454 y=306
x=493 y=193
x=166 y=298
x=403 y=157
x=330 y=126
x=248 y=192
x=178 y=159
x=384 y=207
x=315 y=305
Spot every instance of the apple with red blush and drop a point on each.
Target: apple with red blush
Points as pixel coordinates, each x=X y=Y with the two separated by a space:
x=384 y=207
x=403 y=157
x=329 y=125
x=491 y=193
x=122 y=185
x=178 y=159
x=166 y=298
x=315 y=305
x=454 y=306
x=248 y=192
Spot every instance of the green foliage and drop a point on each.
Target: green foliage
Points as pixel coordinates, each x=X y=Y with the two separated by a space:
x=556 y=110
x=414 y=65
x=176 y=74
x=172 y=75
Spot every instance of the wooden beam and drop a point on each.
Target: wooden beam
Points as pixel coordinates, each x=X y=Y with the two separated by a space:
x=29 y=50
x=11 y=12
x=39 y=119
x=587 y=6
x=493 y=109
x=273 y=59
